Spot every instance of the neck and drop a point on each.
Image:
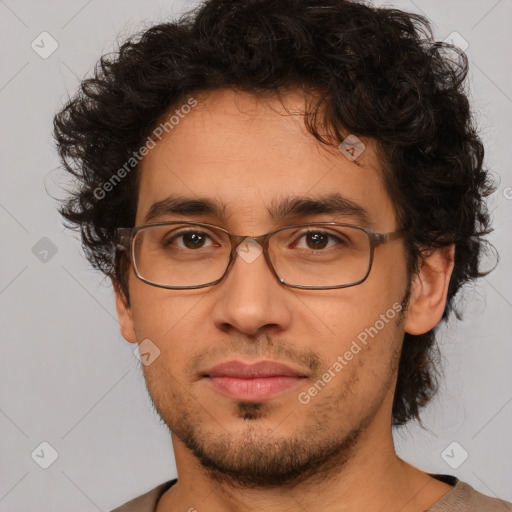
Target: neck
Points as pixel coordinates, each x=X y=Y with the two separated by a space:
x=373 y=478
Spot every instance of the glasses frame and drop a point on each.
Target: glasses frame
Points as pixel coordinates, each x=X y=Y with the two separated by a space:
x=126 y=236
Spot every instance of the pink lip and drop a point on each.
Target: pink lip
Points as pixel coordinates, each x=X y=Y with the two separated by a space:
x=259 y=381
x=239 y=370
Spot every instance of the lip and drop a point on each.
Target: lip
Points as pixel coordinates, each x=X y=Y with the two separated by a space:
x=239 y=370
x=253 y=382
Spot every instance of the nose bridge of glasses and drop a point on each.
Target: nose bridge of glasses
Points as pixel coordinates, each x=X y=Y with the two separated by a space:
x=249 y=248
x=237 y=240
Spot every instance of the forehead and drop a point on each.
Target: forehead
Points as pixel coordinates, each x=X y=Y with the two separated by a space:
x=249 y=155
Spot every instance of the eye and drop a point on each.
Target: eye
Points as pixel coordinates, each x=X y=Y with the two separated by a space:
x=191 y=239
x=318 y=240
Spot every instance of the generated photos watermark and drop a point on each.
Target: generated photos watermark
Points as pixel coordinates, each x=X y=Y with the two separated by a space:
x=304 y=397
x=101 y=191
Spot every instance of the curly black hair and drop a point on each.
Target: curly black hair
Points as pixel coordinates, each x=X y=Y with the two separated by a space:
x=378 y=73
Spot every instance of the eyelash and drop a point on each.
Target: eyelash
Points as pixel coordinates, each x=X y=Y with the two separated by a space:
x=202 y=233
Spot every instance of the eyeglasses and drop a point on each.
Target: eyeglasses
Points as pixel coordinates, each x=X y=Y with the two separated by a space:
x=318 y=256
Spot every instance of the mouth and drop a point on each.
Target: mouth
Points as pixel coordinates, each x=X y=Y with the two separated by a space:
x=260 y=381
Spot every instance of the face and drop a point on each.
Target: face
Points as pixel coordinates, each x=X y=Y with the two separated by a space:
x=249 y=154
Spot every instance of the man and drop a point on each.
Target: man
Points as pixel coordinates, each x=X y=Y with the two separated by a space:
x=287 y=197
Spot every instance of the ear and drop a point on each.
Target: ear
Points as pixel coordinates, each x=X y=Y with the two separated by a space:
x=124 y=315
x=429 y=290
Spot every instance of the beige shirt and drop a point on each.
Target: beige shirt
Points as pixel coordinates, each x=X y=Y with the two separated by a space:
x=462 y=498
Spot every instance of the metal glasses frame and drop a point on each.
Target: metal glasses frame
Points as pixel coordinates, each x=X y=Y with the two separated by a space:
x=127 y=235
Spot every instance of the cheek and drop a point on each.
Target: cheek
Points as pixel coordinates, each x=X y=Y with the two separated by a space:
x=159 y=313
x=365 y=343
x=169 y=328
x=355 y=380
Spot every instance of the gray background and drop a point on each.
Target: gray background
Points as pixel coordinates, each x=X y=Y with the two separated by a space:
x=68 y=378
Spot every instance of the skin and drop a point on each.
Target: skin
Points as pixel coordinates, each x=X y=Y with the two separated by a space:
x=248 y=151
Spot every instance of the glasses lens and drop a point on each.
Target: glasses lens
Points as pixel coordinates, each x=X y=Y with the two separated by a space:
x=318 y=255
x=186 y=255
x=181 y=254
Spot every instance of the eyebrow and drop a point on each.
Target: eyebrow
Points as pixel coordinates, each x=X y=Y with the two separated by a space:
x=285 y=208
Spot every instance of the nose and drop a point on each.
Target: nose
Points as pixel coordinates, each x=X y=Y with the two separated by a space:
x=250 y=299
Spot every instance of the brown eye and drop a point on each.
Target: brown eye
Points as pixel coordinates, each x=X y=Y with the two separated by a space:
x=317 y=240
x=192 y=240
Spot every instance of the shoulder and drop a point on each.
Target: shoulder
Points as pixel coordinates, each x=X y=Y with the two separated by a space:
x=146 y=502
x=464 y=498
